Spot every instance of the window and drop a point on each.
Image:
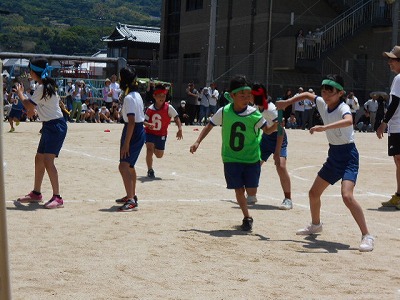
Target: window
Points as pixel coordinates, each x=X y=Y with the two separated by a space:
x=194 y=5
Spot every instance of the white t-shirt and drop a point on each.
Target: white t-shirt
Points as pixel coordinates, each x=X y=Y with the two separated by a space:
x=214 y=97
x=47 y=108
x=133 y=105
x=270 y=114
x=337 y=136
x=394 y=122
x=116 y=90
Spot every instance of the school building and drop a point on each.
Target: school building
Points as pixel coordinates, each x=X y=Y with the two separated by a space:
x=285 y=44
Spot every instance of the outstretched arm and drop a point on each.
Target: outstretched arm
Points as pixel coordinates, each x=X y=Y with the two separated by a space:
x=202 y=135
x=178 y=123
x=346 y=121
x=282 y=104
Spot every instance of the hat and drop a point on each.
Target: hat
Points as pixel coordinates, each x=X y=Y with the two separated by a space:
x=183 y=102
x=394 y=53
x=300 y=88
x=310 y=90
x=107 y=79
x=69 y=80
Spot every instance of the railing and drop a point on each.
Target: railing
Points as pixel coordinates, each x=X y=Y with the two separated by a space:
x=343 y=26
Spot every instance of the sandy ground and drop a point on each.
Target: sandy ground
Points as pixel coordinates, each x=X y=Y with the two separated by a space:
x=183 y=242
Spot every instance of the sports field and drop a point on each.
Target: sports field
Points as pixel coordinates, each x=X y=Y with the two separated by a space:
x=183 y=242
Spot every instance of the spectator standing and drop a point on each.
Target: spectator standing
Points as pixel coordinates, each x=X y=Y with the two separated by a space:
x=214 y=95
x=299 y=109
x=204 y=106
x=115 y=89
x=107 y=93
x=308 y=111
x=77 y=101
x=371 y=106
x=191 y=101
x=354 y=105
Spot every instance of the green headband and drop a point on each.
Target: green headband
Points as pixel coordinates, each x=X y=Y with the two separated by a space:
x=242 y=88
x=332 y=83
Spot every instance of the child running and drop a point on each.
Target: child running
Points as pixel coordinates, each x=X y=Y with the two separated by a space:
x=16 y=108
x=240 y=143
x=157 y=119
x=132 y=138
x=271 y=143
x=46 y=101
x=343 y=159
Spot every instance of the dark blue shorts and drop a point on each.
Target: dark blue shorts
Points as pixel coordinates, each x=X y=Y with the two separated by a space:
x=53 y=136
x=158 y=141
x=342 y=163
x=15 y=113
x=239 y=175
x=268 y=144
x=136 y=144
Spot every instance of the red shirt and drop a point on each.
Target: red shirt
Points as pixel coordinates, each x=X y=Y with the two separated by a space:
x=160 y=118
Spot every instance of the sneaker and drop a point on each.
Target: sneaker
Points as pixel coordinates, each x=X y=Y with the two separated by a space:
x=125 y=199
x=367 y=243
x=286 y=204
x=247 y=224
x=150 y=173
x=130 y=205
x=17 y=123
x=31 y=198
x=12 y=130
x=54 y=202
x=310 y=229
x=251 y=199
x=393 y=202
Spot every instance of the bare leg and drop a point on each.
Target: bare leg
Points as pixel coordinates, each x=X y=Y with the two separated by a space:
x=284 y=178
x=39 y=172
x=48 y=161
x=314 y=194
x=397 y=162
x=241 y=199
x=353 y=206
x=149 y=155
x=129 y=178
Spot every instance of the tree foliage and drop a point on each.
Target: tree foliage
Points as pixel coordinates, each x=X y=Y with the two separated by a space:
x=69 y=27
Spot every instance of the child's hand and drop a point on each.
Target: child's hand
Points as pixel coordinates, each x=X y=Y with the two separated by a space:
x=179 y=135
x=194 y=147
x=317 y=128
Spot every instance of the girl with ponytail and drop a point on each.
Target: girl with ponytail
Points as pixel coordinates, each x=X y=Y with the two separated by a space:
x=132 y=138
x=47 y=104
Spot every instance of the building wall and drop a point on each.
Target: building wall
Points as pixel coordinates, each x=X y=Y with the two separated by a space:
x=245 y=44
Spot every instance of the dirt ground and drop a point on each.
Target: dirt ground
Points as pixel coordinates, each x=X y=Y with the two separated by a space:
x=184 y=242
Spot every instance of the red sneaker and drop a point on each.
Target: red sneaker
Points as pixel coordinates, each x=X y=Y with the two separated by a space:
x=31 y=198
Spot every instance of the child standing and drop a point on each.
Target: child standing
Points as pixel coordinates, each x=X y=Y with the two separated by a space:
x=273 y=144
x=132 y=138
x=240 y=143
x=46 y=101
x=157 y=119
x=343 y=159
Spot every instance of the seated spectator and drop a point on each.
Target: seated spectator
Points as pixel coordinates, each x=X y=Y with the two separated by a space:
x=291 y=122
x=183 y=113
x=364 y=123
x=104 y=114
x=115 y=112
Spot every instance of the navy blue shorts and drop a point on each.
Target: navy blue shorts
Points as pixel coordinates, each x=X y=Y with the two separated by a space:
x=394 y=144
x=53 y=136
x=158 y=141
x=136 y=144
x=342 y=163
x=268 y=144
x=239 y=175
x=15 y=113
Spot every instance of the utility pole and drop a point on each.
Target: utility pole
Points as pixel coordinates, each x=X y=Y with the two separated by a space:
x=5 y=287
x=211 y=43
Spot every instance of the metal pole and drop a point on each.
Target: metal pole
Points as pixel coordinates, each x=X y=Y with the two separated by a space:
x=395 y=20
x=269 y=42
x=211 y=43
x=5 y=287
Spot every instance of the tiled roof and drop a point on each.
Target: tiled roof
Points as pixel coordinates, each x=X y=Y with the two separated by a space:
x=141 y=34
